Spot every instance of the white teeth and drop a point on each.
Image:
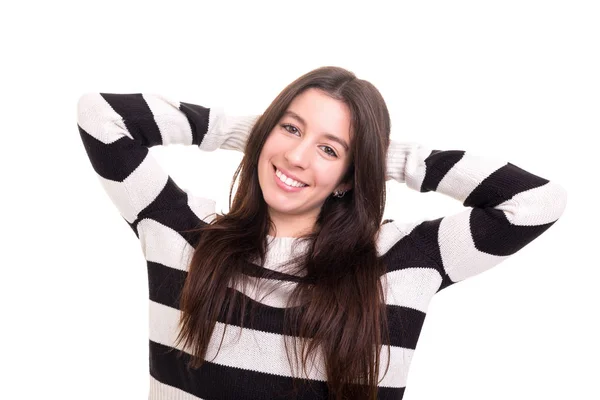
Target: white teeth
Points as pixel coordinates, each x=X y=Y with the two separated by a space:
x=288 y=181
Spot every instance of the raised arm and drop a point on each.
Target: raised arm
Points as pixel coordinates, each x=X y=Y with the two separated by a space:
x=508 y=207
x=118 y=129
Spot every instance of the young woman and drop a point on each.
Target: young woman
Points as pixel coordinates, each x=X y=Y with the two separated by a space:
x=300 y=290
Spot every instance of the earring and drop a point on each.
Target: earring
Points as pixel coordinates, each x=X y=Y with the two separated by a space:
x=338 y=193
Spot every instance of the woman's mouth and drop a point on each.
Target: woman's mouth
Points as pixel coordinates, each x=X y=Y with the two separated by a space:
x=288 y=184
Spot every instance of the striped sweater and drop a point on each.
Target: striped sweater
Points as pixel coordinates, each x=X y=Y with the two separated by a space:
x=506 y=208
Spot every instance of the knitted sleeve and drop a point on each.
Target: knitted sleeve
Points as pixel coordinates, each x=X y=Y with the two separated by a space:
x=118 y=129
x=508 y=207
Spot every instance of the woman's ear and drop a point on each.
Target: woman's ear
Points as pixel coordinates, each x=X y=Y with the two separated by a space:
x=346 y=186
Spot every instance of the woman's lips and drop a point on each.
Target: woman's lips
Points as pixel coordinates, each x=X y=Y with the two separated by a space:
x=283 y=186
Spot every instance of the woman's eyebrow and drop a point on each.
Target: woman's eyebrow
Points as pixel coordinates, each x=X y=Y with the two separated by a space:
x=326 y=134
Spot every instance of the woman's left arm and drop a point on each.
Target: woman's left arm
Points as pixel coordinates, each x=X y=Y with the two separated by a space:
x=508 y=207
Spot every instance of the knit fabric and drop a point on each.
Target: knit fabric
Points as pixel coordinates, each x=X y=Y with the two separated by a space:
x=506 y=208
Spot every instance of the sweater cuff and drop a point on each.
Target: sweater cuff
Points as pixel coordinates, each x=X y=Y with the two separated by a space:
x=397 y=154
x=229 y=132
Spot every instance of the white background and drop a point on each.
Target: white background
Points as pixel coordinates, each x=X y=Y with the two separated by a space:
x=511 y=79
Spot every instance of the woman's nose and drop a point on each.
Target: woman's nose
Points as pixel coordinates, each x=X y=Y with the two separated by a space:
x=299 y=154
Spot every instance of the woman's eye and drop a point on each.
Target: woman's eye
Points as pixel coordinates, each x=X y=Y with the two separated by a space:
x=286 y=126
x=329 y=151
x=332 y=153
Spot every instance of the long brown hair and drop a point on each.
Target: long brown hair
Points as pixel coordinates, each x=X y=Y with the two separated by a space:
x=338 y=300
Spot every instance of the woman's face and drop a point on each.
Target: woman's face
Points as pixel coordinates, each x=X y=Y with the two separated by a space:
x=311 y=143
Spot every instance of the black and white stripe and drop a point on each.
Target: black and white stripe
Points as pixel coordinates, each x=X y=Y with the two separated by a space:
x=507 y=208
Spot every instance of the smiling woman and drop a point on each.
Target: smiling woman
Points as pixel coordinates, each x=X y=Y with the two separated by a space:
x=330 y=131
x=305 y=154
x=337 y=298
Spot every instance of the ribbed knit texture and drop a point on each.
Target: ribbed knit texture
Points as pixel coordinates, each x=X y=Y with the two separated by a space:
x=506 y=208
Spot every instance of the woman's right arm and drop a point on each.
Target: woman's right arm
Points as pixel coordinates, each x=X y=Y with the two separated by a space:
x=118 y=129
